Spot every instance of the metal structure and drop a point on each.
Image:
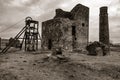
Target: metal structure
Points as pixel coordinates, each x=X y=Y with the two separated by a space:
x=31 y=35
x=30 y=38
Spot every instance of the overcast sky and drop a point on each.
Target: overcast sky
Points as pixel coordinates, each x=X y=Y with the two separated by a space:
x=13 y=11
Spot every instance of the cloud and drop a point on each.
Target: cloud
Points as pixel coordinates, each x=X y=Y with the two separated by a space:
x=12 y=11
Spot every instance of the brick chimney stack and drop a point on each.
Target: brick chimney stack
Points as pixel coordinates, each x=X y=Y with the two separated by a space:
x=104 y=26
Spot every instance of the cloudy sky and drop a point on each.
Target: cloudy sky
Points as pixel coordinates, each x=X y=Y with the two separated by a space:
x=14 y=11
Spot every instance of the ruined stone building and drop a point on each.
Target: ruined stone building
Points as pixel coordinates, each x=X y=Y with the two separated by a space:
x=68 y=30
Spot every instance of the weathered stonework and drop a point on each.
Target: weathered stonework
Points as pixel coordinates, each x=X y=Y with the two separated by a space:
x=68 y=30
x=97 y=48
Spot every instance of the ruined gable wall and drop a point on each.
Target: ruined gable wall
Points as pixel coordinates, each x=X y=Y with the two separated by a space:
x=49 y=31
x=59 y=31
x=80 y=12
x=81 y=20
x=81 y=34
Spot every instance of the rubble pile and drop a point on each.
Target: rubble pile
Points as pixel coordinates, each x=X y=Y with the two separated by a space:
x=56 y=55
x=97 y=48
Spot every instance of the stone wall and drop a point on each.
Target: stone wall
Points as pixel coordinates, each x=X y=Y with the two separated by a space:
x=81 y=34
x=57 y=30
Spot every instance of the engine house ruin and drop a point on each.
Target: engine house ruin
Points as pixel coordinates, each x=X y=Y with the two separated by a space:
x=69 y=30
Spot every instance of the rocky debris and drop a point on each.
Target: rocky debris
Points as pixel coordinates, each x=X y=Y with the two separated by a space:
x=99 y=51
x=24 y=61
x=21 y=68
x=12 y=67
x=34 y=64
x=97 y=48
x=81 y=51
x=21 y=57
x=56 y=55
x=6 y=58
x=15 y=60
x=57 y=51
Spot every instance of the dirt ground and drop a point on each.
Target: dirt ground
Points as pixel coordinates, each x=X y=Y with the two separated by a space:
x=20 y=65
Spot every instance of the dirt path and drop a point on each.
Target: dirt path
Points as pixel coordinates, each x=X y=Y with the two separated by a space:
x=26 y=66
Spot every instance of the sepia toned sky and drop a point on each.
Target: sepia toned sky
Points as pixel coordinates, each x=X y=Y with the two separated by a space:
x=13 y=12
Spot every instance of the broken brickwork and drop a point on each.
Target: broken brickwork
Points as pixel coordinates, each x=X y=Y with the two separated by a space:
x=68 y=30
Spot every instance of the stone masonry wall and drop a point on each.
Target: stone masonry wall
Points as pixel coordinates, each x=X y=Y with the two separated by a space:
x=58 y=30
x=80 y=15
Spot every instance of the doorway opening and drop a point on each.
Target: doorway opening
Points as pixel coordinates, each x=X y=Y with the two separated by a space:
x=49 y=44
x=74 y=37
x=73 y=30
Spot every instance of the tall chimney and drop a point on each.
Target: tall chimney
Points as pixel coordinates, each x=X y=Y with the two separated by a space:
x=104 y=26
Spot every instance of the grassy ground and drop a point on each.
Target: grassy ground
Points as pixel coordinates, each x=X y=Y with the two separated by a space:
x=20 y=65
